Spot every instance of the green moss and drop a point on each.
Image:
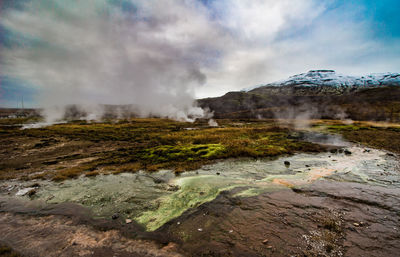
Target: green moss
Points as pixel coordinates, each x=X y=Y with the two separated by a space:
x=352 y=127
x=166 y=153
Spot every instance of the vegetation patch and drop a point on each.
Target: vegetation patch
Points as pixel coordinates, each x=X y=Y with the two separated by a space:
x=167 y=153
x=374 y=134
x=62 y=151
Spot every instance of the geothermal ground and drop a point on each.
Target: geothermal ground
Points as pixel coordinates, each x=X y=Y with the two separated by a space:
x=150 y=187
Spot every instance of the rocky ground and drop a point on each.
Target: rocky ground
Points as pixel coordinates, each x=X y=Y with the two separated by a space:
x=324 y=219
x=53 y=235
x=345 y=202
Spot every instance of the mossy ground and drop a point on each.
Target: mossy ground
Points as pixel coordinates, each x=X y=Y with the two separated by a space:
x=68 y=150
x=65 y=151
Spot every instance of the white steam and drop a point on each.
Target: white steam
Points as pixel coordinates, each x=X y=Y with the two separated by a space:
x=154 y=56
x=92 y=53
x=212 y=123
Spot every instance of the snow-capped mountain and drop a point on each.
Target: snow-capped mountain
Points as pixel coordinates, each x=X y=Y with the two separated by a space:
x=320 y=93
x=331 y=78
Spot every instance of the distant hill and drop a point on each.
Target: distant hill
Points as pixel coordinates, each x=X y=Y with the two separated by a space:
x=315 y=94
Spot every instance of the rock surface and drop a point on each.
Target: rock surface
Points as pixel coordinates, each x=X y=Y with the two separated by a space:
x=312 y=221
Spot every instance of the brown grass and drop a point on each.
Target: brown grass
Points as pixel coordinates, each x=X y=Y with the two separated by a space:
x=79 y=148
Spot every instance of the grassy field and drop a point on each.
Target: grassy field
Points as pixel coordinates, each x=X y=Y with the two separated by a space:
x=65 y=151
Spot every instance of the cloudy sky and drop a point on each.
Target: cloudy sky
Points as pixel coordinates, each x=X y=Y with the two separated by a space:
x=171 y=51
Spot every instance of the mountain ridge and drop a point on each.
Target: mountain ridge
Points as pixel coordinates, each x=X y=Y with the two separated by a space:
x=371 y=97
x=331 y=78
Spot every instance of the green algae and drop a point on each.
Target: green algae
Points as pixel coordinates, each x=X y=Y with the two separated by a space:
x=193 y=192
x=249 y=192
x=127 y=194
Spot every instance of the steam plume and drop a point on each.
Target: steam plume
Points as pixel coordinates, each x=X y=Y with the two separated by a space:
x=91 y=53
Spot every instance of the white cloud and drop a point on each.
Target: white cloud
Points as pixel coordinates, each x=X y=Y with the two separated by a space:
x=277 y=39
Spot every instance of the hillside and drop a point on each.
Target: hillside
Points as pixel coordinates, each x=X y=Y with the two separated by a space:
x=315 y=94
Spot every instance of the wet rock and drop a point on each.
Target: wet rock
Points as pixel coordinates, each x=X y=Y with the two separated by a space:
x=351 y=229
x=347 y=152
x=334 y=150
x=158 y=180
x=390 y=154
x=173 y=188
x=31 y=192
x=115 y=216
x=26 y=191
x=50 y=162
x=340 y=151
x=10 y=187
x=287 y=164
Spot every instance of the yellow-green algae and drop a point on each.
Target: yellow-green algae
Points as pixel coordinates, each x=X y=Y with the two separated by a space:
x=193 y=192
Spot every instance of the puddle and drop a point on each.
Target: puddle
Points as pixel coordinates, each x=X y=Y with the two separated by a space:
x=156 y=198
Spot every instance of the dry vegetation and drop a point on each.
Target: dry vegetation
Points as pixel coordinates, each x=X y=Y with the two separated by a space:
x=374 y=134
x=65 y=151
x=68 y=150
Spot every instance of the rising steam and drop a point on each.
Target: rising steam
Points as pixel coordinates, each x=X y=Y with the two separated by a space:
x=153 y=56
x=93 y=54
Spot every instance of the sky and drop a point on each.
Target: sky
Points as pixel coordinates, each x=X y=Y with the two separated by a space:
x=162 y=54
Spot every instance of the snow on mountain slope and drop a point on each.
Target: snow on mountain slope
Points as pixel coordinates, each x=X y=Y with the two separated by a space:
x=331 y=78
